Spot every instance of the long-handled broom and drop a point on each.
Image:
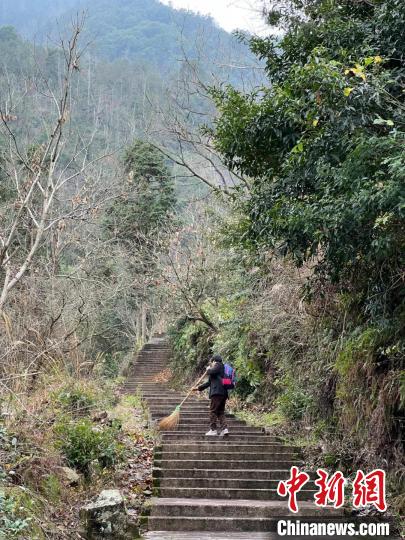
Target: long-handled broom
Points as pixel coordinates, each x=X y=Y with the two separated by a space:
x=172 y=421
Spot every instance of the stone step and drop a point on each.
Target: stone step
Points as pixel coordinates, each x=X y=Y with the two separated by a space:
x=217 y=508
x=251 y=432
x=152 y=350
x=204 y=426
x=209 y=524
x=193 y=436
x=150 y=398
x=222 y=483
x=151 y=393
x=145 y=365
x=189 y=415
x=201 y=412
x=150 y=377
x=174 y=401
x=260 y=474
x=155 y=349
x=196 y=420
x=153 y=378
x=268 y=527
x=167 y=393
x=150 y=360
x=222 y=455
x=209 y=485
x=226 y=465
x=229 y=493
x=143 y=375
x=170 y=395
x=164 y=404
x=196 y=408
x=153 y=353
x=145 y=372
x=177 y=397
x=223 y=445
x=151 y=385
x=200 y=535
x=137 y=387
x=189 y=412
x=231 y=444
x=192 y=423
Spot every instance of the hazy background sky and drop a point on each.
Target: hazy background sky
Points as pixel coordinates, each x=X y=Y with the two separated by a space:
x=230 y=14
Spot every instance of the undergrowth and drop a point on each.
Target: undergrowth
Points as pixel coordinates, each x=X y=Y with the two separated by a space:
x=80 y=423
x=312 y=373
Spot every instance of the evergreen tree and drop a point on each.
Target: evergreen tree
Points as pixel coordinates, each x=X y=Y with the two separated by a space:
x=148 y=203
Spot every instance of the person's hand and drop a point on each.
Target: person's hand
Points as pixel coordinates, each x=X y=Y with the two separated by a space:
x=195 y=389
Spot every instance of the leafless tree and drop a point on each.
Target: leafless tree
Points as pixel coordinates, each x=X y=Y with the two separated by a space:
x=42 y=175
x=181 y=127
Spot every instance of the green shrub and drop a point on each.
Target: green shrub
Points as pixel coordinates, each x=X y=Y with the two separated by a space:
x=76 y=399
x=111 y=365
x=11 y=524
x=191 y=344
x=81 y=442
x=51 y=488
x=358 y=348
x=292 y=401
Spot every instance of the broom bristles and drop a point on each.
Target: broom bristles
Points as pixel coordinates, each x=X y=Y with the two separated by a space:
x=170 y=422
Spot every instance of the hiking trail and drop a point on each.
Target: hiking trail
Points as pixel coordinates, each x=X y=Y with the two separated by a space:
x=220 y=488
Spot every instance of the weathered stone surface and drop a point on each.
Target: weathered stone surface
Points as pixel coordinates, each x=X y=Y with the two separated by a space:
x=70 y=476
x=107 y=518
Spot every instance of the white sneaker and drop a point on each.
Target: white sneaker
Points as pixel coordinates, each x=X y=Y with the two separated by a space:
x=211 y=433
x=224 y=432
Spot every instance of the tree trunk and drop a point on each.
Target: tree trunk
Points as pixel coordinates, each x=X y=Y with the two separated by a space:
x=144 y=327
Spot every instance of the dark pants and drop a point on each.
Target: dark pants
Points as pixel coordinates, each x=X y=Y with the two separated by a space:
x=217 y=412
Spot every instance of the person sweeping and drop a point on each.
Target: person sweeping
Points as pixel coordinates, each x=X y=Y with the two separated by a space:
x=217 y=383
x=221 y=378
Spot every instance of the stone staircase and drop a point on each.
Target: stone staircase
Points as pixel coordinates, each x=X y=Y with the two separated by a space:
x=209 y=489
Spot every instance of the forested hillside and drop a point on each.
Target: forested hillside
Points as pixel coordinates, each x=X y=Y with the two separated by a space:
x=144 y=31
x=30 y=16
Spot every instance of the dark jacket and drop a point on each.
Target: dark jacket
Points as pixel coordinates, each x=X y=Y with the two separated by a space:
x=214 y=383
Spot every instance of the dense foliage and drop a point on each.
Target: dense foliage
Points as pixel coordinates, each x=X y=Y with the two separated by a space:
x=325 y=146
x=312 y=307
